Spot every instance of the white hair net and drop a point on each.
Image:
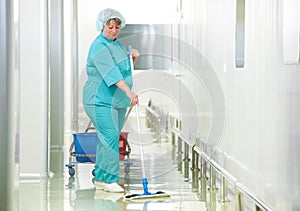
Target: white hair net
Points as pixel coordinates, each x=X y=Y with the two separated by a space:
x=106 y=15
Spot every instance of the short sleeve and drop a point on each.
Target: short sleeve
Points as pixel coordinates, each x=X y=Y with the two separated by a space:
x=106 y=67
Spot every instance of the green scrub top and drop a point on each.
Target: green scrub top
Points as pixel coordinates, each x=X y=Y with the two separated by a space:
x=107 y=63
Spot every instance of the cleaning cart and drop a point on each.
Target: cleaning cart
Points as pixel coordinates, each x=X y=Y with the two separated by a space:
x=84 y=145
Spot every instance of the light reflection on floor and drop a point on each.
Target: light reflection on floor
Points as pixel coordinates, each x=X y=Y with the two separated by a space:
x=162 y=169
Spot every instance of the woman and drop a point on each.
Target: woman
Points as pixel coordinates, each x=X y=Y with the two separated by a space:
x=107 y=95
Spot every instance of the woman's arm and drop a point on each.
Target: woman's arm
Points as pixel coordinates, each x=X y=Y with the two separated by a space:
x=125 y=88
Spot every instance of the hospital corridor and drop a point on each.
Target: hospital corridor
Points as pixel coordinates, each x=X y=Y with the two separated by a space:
x=172 y=105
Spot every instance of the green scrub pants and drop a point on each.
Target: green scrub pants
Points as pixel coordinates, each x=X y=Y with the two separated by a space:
x=108 y=123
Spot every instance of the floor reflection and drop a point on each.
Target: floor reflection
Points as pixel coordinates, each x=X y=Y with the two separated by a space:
x=164 y=171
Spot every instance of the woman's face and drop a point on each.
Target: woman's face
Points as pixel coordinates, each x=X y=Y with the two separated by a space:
x=112 y=29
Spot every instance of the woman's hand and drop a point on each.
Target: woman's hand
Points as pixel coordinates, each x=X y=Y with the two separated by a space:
x=135 y=55
x=134 y=99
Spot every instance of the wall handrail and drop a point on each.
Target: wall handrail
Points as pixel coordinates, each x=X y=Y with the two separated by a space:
x=237 y=184
x=154 y=113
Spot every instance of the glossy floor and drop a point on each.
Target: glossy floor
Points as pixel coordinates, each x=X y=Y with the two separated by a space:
x=163 y=169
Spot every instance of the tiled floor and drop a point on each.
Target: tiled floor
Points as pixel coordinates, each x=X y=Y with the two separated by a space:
x=162 y=169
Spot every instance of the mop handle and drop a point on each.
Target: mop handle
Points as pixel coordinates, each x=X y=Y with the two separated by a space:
x=137 y=113
x=140 y=139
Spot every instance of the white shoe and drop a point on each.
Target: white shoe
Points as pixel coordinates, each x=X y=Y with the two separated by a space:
x=99 y=185
x=113 y=187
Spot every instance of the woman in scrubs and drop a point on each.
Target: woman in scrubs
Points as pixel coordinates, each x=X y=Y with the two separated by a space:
x=107 y=94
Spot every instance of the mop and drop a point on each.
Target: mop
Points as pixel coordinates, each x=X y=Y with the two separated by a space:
x=146 y=194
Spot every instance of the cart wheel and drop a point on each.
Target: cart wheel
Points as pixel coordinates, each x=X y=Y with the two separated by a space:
x=93 y=172
x=71 y=172
x=127 y=167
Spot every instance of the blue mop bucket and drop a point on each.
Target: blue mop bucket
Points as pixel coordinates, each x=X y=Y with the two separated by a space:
x=85 y=147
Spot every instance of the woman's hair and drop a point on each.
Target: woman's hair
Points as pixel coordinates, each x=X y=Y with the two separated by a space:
x=114 y=19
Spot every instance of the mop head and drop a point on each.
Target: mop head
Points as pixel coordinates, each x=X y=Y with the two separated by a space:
x=146 y=194
x=158 y=194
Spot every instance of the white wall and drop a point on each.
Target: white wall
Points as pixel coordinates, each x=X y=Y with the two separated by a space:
x=33 y=89
x=9 y=107
x=260 y=141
